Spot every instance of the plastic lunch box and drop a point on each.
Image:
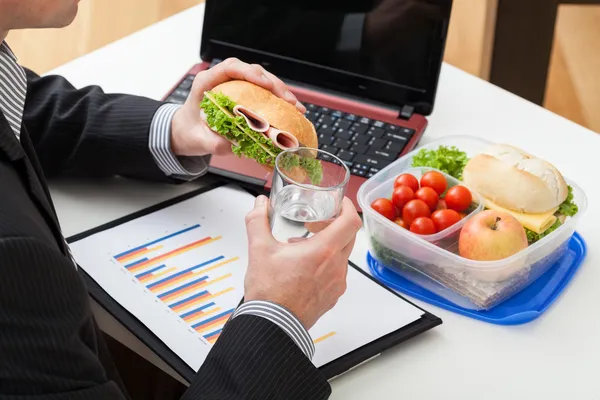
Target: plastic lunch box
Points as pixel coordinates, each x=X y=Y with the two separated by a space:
x=432 y=261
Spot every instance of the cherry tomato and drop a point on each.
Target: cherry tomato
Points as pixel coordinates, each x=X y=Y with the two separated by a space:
x=458 y=198
x=401 y=223
x=401 y=196
x=434 y=180
x=441 y=205
x=414 y=209
x=429 y=196
x=444 y=219
x=407 y=180
x=423 y=226
x=385 y=208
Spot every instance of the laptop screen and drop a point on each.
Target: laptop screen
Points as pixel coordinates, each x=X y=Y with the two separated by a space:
x=387 y=51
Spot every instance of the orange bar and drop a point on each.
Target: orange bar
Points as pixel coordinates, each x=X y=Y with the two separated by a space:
x=175 y=252
x=202 y=299
x=219 y=279
x=330 y=334
x=158 y=275
x=202 y=271
x=170 y=283
x=177 y=295
x=137 y=253
x=212 y=324
x=202 y=315
x=213 y=339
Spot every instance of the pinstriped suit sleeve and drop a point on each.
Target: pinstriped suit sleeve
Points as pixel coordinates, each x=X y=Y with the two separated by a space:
x=255 y=359
x=88 y=132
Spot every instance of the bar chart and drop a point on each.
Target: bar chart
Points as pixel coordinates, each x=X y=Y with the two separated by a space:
x=192 y=292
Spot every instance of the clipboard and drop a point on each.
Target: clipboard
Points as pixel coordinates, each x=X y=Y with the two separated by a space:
x=330 y=369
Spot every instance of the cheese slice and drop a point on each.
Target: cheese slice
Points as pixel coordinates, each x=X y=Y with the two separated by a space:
x=534 y=222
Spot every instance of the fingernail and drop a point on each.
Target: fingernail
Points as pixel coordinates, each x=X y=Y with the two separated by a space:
x=300 y=106
x=260 y=201
x=289 y=95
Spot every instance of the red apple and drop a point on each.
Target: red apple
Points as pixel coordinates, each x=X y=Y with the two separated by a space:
x=491 y=235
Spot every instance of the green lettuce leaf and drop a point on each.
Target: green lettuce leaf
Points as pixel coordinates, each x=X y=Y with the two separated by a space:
x=568 y=207
x=448 y=159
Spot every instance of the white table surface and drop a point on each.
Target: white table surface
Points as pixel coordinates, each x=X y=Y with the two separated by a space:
x=552 y=357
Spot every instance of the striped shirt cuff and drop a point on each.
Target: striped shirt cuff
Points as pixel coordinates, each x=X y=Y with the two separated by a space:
x=185 y=168
x=281 y=317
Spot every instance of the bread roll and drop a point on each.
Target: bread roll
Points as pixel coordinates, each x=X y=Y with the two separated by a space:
x=279 y=113
x=516 y=180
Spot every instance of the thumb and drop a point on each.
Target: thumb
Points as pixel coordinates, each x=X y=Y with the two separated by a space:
x=257 y=221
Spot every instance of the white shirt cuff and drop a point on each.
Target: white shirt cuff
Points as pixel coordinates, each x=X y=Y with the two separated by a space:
x=185 y=168
x=281 y=317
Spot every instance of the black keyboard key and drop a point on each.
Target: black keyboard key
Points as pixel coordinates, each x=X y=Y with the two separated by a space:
x=359 y=128
x=365 y=120
x=394 y=147
x=359 y=148
x=378 y=124
x=343 y=124
x=382 y=154
x=328 y=148
x=326 y=120
x=186 y=84
x=362 y=166
x=325 y=157
x=337 y=114
x=362 y=139
x=325 y=139
x=312 y=116
x=407 y=131
x=369 y=174
x=395 y=136
x=351 y=117
x=345 y=155
x=392 y=128
x=326 y=130
x=371 y=161
x=342 y=134
x=378 y=144
x=359 y=172
x=324 y=110
x=375 y=132
x=310 y=107
x=342 y=144
x=374 y=170
x=181 y=93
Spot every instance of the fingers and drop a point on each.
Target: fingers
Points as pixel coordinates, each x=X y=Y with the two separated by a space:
x=257 y=223
x=212 y=142
x=343 y=229
x=232 y=68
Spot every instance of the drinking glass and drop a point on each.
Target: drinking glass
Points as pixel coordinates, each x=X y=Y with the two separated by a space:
x=306 y=193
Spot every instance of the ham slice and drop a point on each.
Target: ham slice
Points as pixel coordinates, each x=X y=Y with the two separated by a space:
x=254 y=121
x=282 y=139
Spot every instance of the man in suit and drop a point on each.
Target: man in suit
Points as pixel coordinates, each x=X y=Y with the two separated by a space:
x=50 y=345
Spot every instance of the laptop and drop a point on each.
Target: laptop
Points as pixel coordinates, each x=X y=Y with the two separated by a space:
x=367 y=72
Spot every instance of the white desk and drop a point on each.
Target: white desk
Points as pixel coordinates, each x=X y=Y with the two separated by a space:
x=551 y=358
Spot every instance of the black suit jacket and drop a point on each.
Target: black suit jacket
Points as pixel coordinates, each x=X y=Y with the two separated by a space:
x=50 y=345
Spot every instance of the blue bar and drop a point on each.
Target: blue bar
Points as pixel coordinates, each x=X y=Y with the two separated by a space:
x=213 y=333
x=206 y=321
x=160 y=296
x=184 y=271
x=158 y=240
x=188 y=299
x=197 y=309
x=136 y=262
x=150 y=271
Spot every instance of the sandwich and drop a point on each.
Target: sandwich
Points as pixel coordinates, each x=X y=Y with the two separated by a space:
x=260 y=126
x=529 y=188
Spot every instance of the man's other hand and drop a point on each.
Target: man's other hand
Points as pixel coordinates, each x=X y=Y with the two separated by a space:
x=190 y=136
x=308 y=276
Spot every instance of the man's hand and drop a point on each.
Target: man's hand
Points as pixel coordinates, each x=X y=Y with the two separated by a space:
x=308 y=276
x=190 y=136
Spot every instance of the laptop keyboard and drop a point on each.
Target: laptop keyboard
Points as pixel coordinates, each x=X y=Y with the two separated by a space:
x=365 y=145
